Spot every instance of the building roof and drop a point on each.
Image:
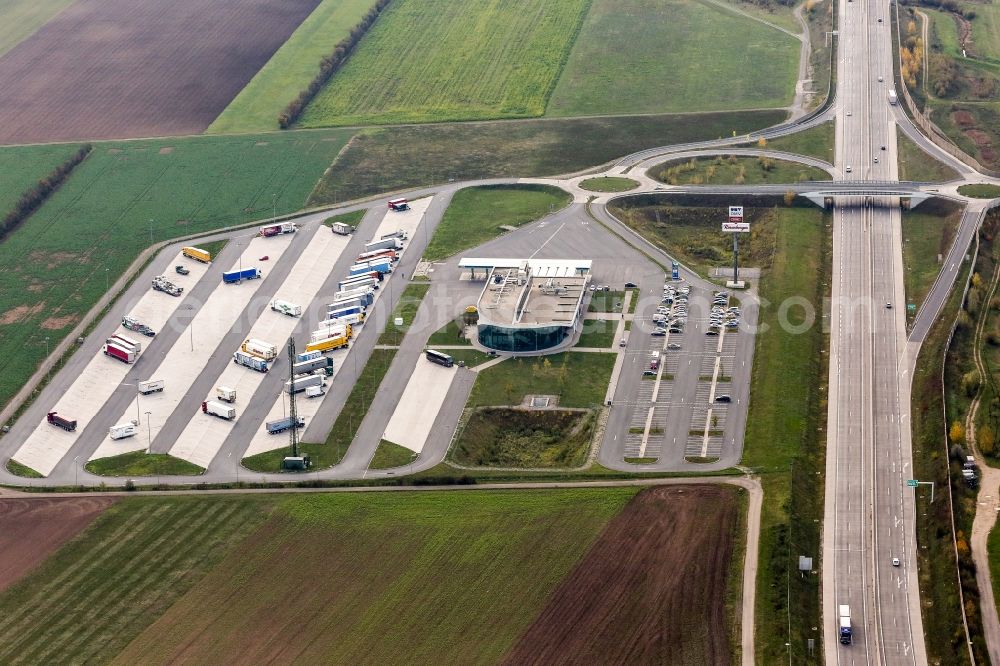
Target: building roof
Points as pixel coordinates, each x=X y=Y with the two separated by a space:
x=530 y=293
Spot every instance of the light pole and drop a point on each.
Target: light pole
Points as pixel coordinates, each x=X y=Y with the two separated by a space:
x=239 y=248
x=106 y=269
x=149 y=433
x=150 y=232
x=191 y=323
x=274 y=206
x=46 y=357
x=76 y=471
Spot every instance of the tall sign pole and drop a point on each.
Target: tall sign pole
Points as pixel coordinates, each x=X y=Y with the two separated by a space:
x=735 y=226
x=292 y=413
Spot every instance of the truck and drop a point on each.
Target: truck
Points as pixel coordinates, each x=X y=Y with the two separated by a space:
x=342 y=228
x=359 y=281
x=307 y=356
x=300 y=384
x=355 y=319
x=365 y=294
x=151 y=386
x=845 y=624
x=60 y=422
x=277 y=228
x=331 y=329
x=122 y=354
x=391 y=255
x=391 y=243
x=353 y=303
x=133 y=324
x=892 y=97
x=308 y=367
x=259 y=348
x=281 y=425
x=343 y=311
x=232 y=277
x=284 y=307
x=123 y=430
x=314 y=391
x=328 y=344
x=399 y=204
x=250 y=361
x=213 y=408
x=197 y=254
x=161 y=283
x=400 y=234
x=225 y=394
x=128 y=343
x=366 y=267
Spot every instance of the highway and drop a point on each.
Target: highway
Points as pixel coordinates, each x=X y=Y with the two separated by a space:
x=869 y=511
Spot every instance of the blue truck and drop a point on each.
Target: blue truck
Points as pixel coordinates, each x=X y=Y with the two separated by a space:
x=250 y=361
x=281 y=425
x=383 y=266
x=229 y=277
x=343 y=312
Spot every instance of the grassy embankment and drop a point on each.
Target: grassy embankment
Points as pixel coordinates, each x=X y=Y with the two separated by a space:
x=928 y=232
x=609 y=184
x=733 y=169
x=407 y=306
x=353 y=218
x=706 y=59
x=476 y=215
x=290 y=69
x=389 y=455
x=814 y=142
x=382 y=160
x=54 y=273
x=980 y=191
x=329 y=453
x=785 y=439
x=457 y=576
x=23 y=471
x=140 y=463
x=511 y=56
x=918 y=166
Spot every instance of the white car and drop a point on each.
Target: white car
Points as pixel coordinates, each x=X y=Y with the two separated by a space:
x=848 y=169
x=848 y=113
x=895 y=561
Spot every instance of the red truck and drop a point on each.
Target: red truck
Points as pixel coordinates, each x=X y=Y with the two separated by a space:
x=60 y=422
x=123 y=355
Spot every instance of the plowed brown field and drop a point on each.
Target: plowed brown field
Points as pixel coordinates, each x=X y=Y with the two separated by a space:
x=32 y=529
x=106 y=69
x=650 y=591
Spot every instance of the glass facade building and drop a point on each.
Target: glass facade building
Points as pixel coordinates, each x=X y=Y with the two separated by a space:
x=504 y=338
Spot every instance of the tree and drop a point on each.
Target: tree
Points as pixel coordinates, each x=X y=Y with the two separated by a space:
x=762 y=143
x=957 y=432
x=987 y=440
x=789 y=197
x=970 y=382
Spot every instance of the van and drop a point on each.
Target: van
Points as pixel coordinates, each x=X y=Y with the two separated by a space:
x=314 y=391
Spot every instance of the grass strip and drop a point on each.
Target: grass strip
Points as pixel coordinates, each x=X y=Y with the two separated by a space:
x=580 y=379
x=140 y=463
x=609 y=184
x=406 y=308
x=389 y=455
x=980 y=191
x=18 y=469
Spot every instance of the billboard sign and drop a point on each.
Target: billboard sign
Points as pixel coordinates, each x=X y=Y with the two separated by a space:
x=736 y=213
x=736 y=227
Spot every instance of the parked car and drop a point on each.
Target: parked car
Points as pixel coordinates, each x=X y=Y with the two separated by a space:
x=181 y=270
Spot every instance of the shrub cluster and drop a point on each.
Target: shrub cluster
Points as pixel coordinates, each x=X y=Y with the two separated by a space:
x=32 y=199
x=330 y=65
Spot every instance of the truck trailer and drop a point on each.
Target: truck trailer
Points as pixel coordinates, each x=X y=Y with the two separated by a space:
x=845 y=624
x=391 y=243
x=338 y=312
x=161 y=283
x=341 y=228
x=123 y=430
x=353 y=303
x=355 y=319
x=286 y=308
x=359 y=281
x=214 y=408
x=250 y=361
x=331 y=328
x=261 y=349
x=328 y=344
x=151 y=386
x=197 y=254
x=133 y=324
x=232 y=277
x=307 y=356
x=381 y=265
x=281 y=425
x=123 y=355
x=60 y=422
x=300 y=384
x=128 y=343
x=278 y=228
x=308 y=367
x=399 y=204
x=892 y=98
x=225 y=394
x=377 y=254
x=365 y=294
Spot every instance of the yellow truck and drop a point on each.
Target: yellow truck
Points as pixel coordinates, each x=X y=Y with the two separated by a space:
x=328 y=344
x=197 y=254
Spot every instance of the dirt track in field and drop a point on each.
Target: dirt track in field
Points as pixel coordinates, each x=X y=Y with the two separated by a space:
x=32 y=529
x=650 y=591
x=106 y=69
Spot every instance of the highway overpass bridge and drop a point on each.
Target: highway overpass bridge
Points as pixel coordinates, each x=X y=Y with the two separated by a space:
x=822 y=193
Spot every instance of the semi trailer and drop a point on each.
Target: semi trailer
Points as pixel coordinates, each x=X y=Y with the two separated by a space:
x=276 y=229
x=123 y=430
x=59 y=422
x=161 y=283
x=328 y=344
x=261 y=349
x=390 y=243
x=368 y=280
x=133 y=324
x=214 y=408
x=232 y=277
x=197 y=254
x=122 y=354
x=365 y=294
x=382 y=266
x=250 y=361
x=225 y=394
x=286 y=308
x=377 y=254
x=151 y=386
x=307 y=356
x=341 y=228
x=300 y=384
x=281 y=425
x=308 y=367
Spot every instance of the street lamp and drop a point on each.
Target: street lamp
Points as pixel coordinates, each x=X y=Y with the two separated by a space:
x=150 y=232
x=76 y=472
x=149 y=433
x=239 y=248
x=191 y=324
x=106 y=269
x=46 y=357
x=274 y=206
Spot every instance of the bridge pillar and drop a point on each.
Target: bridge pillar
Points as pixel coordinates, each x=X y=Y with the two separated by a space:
x=818 y=198
x=916 y=199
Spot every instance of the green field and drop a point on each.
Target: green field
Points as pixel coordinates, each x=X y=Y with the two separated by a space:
x=21 y=18
x=734 y=169
x=980 y=191
x=471 y=357
x=290 y=69
x=449 y=334
x=52 y=269
x=382 y=160
x=580 y=379
x=353 y=218
x=655 y=56
x=502 y=437
x=89 y=600
x=606 y=301
x=140 y=463
x=457 y=577
x=916 y=165
x=426 y=61
x=815 y=142
x=389 y=455
x=609 y=184
x=406 y=307
x=599 y=333
x=329 y=453
x=21 y=167
x=927 y=233
x=476 y=214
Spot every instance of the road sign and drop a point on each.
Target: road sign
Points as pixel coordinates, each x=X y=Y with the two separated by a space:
x=736 y=227
x=736 y=213
x=675 y=270
x=912 y=483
